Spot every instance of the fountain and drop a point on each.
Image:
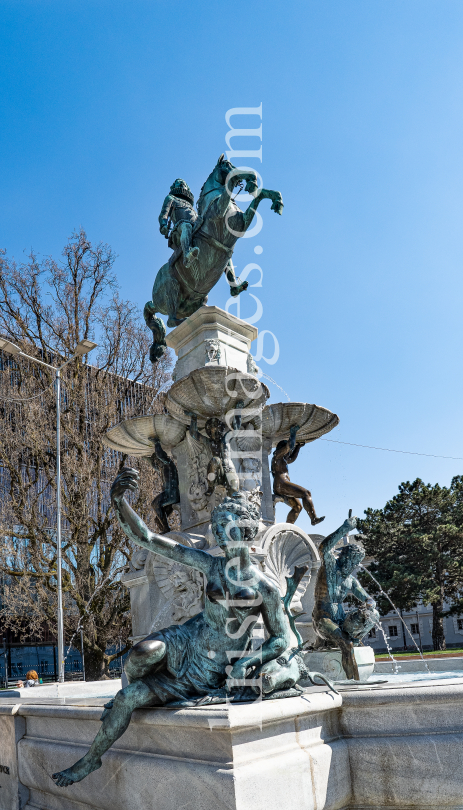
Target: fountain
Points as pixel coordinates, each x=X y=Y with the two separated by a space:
x=290 y=741
x=395 y=666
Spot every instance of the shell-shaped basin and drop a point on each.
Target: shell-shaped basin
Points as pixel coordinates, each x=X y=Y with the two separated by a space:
x=137 y=436
x=169 y=431
x=313 y=420
x=214 y=391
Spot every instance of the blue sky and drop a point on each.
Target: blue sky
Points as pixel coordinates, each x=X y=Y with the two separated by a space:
x=105 y=103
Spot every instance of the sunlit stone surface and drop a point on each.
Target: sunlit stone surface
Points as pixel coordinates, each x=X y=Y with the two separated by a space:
x=396 y=745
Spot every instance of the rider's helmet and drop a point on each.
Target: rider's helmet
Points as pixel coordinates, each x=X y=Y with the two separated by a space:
x=181 y=189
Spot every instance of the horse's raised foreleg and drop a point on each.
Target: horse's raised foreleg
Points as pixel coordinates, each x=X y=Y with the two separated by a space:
x=264 y=194
x=236 y=178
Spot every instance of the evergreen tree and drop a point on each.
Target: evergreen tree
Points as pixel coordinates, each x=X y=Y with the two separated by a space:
x=416 y=542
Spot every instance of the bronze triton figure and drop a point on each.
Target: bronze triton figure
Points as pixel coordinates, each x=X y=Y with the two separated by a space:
x=334 y=582
x=190 y=664
x=285 y=453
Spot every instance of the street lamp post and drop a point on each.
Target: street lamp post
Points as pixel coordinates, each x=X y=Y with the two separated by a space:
x=82 y=348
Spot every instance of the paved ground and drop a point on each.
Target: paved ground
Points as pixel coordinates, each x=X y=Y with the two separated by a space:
x=411 y=657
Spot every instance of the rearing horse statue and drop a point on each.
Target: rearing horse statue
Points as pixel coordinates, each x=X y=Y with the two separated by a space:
x=181 y=287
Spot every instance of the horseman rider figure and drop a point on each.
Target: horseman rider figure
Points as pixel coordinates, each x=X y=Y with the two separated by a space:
x=178 y=207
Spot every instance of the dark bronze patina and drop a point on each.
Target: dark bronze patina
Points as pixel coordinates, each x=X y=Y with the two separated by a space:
x=333 y=626
x=170 y=495
x=203 y=244
x=285 y=453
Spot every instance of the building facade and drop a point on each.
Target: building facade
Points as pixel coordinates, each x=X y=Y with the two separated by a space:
x=419 y=625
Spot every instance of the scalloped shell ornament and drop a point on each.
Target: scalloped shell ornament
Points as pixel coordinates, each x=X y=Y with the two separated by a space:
x=137 y=436
x=313 y=420
x=286 y=550
x=214 y=391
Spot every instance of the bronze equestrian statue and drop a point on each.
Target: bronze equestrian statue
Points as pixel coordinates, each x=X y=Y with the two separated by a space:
x=285 y=453
x=203 y=245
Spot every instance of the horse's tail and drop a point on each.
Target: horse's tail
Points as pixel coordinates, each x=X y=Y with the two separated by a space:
x=159 y=332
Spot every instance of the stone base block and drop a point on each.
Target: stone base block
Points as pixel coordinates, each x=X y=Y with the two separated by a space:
x=371 y=748
x=329 y=662
x=264 y=756
x=211 y=336
x=70 y=692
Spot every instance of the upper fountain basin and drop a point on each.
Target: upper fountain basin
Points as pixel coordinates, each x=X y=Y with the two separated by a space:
x=313 y=421
x=214 y=391
x=137 y=436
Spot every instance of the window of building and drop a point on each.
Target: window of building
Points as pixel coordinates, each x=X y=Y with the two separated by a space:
x=392 y=630
x=415 y=629
x=372 y=633
x=460 y=624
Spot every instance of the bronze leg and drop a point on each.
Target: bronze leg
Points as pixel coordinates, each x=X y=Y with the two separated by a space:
x=185 y=238
x=113 y=726
x=296 y=509
x=290 y=491
x=236 y=285
x=214 y=474
x=232 y=478
x=348 y=661
x=173 y=298
x=189 y=253
x=143 y=656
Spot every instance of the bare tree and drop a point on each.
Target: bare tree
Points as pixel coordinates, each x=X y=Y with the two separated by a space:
x=47 y=307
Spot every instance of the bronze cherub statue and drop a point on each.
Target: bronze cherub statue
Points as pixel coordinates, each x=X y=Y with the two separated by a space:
x=285 y=453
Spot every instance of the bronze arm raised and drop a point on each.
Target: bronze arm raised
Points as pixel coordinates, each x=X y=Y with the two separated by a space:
x=329 y=542
x=137 y=531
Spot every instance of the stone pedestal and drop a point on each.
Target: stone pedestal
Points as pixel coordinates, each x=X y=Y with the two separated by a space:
x=329 y=663
x=211 y=336
x=265 y=756
x=365 y=749
x=213 y=392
